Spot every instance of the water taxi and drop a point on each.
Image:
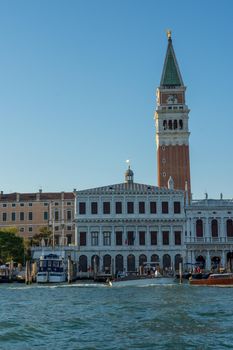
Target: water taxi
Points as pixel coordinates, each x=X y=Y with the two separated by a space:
x=51 y=269
x=213 y=279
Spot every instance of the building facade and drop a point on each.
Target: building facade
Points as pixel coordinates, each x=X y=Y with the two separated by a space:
x=209 y=238
x=29 y=212
x=172 y=131
x=122 y=226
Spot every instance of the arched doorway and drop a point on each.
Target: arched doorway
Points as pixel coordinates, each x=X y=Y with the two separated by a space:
x=82 y=263
x=107 y=260
x=178 y=260
x=95 y=262
x=166 y=261
x=230 y=261
x=215 y=262
x=200 y=261
x=119 y=263
x=131 y=263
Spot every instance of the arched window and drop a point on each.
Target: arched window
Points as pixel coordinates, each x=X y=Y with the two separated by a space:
x=175 y=125
x=229 y=228
x=170 y=124
x=166 y=261
x=164 y=125
x=119 y=263
x=178 y=260
x=154 y=258
x=107 y=263
x=142 y=259
x=95 y=262
x=200 y=260
x=181 y=124
x=83 y=263
x=199 y=228
x=214 y=228
x=131 y=263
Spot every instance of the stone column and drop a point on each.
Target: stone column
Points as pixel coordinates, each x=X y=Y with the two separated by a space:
x=171 y=238
x=222 y=233
x=208 y=261
x=207 y=230
x=160 y=236
x=223 y=260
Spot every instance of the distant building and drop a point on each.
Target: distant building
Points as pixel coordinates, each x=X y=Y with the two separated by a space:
x=28 y=212
x=123 y=226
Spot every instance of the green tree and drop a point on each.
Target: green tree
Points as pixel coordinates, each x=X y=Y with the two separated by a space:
x=45 y=235
x=11 y=246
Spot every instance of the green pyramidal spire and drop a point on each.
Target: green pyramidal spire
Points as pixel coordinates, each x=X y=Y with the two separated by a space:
x=171 y=76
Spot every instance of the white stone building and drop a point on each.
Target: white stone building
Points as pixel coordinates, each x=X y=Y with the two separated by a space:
x=122 y=226
x=209 y=233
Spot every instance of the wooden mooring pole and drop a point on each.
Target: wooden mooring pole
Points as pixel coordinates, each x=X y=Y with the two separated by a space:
x=180 y=272
x=28 y=276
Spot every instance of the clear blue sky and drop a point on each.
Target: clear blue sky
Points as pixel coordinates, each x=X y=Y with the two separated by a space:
x=77 y=91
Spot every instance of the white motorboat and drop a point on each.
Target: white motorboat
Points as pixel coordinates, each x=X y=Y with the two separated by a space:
x=140 y=281
x=51 y=269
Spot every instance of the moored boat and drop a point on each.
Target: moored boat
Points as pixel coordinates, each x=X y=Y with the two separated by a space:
x=140 y=281
x=213 y=279
x=51 y=269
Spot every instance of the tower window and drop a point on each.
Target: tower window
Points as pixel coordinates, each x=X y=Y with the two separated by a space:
x=181 y=124
x=164 y=125
x=164 y=174
x=163 y=148
x=175 y=124
x=170 y=124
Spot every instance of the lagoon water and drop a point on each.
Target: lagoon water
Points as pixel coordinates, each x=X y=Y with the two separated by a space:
x=94 y=316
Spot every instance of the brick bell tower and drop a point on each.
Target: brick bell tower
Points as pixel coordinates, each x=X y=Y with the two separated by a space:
x=171 y=120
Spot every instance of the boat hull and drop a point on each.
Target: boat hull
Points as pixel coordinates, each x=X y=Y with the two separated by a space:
x=50 y=277
x=142 y=282
x=214 y=280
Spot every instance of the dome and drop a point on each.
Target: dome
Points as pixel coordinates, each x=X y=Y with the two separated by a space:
x=129 y=172
x=129 y=175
